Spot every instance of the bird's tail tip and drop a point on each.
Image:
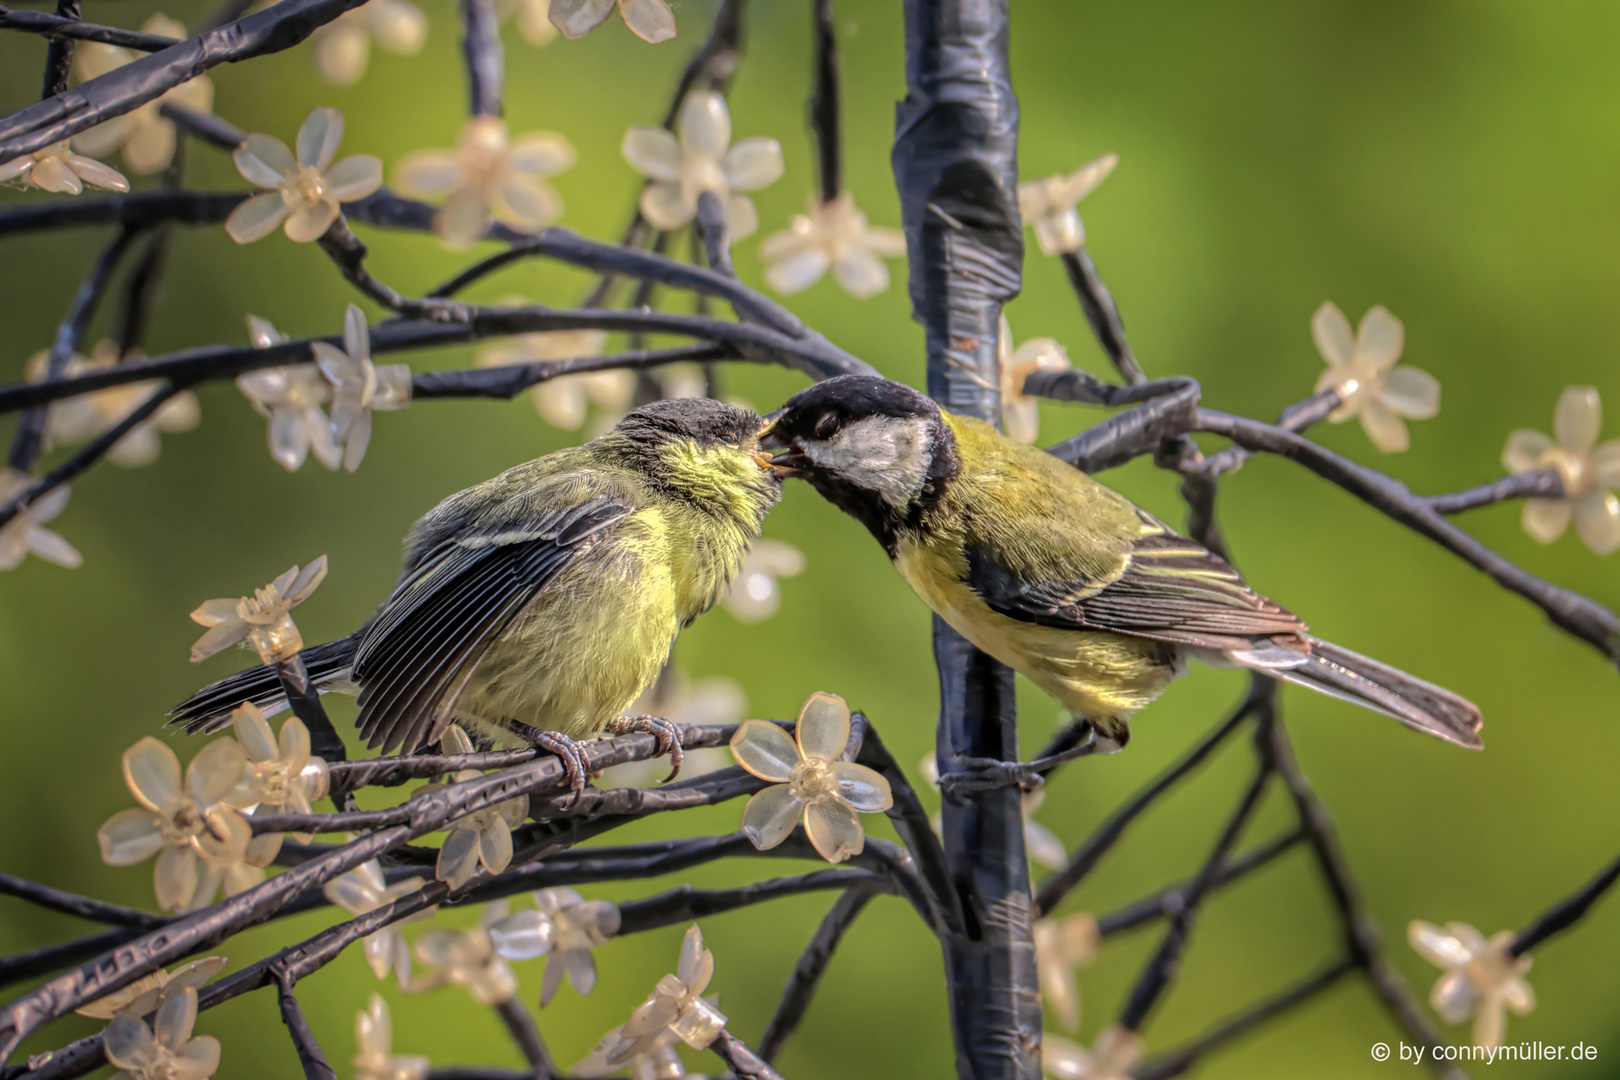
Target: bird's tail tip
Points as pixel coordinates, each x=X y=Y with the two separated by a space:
x=1420 y=705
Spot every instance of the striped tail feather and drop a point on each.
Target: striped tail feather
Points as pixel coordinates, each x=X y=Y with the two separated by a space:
x=209 y=709
x=1352 y=677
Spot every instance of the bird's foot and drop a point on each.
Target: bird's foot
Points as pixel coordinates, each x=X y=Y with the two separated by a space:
x=575 y=767
x=668 y=733
x=970 y=775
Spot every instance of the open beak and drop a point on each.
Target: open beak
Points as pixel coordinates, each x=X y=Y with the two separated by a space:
x=788 y=458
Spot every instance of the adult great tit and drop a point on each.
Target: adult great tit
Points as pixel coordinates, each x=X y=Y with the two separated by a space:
x=536 y=606
x=1040 y=566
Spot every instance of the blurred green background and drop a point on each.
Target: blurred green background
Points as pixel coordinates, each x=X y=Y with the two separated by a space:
x=1459 y=163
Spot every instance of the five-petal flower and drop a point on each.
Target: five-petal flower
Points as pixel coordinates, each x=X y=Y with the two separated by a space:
x=489 y=176
x=1586 y=470
x=144 y=135
x=359 y=387
x=145 y=994
x=305 y=190
x=467 y=958
x=374 y=1057
x=831 y=233
x=1020 y=412
x=80 y=419
x=483 y=837
x=165 y=1051
x=676 y=1005
x=755 y=594
x=281 y=778
x=364 y=890
x=1049 y=205
x=188 y=826
x=563 y=401
x=342 y=48
x=291 y=398
x=699 y=160
x=564 y=927
x=1061 y=945
x=809 y=780
x=264 y=619
x=1362 y=369
x=1482 y=979
x=57 y=168
x=649 y=20
x=26 y=531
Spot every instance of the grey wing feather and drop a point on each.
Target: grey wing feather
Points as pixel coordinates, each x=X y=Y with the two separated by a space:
x=1172 y=589
x=1422 y=705
x=413 y=659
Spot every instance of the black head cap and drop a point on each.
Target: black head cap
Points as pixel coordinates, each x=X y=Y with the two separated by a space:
x=820 y=411
x=704 y=420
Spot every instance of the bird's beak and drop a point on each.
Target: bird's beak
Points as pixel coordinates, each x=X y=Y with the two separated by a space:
x=791 y=460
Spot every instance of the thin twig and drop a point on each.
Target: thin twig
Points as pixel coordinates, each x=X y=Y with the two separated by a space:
x=1567 y=912
x=1086 y=857
x=29 y=440
x=1102 y=313
x=801 y=985
x=57 y=26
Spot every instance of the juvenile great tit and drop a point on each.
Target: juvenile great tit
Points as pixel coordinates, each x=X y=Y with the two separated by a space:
x=536 y=606
x=1058 y=577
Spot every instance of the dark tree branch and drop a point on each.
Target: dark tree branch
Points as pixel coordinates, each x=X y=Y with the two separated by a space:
x=1541 y=484
x=82 y=906
x=58 y=26
x=1586 y=619
x=955 y=163
x=1086 y=857
x=812 y=965
x=1169 y=901
x=743 y=1062
x=824 y=103
x=310 y=1055
x=1102 y=313
x=150 y=77
x=711 y=223
x=1170 y=410
x=29 y=440
x=486 y=61
x=1360 y=931
x=526 y=1033
x=1567 y=912
x=505 y=383
x=59 y=53
x=93 y=452
x=204 y=127
x=1177 y=1062
x=685 y=904
x=1162 y=969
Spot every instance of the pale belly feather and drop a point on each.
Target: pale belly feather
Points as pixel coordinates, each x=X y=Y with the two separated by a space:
x=1103 y=677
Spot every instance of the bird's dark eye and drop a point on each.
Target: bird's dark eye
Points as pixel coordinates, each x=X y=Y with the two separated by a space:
x=827 y=426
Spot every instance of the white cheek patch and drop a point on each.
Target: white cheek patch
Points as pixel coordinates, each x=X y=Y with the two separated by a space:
x=885 y=454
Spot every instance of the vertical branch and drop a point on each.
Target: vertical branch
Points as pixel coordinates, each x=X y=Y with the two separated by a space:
x=486 y=62
x=801 y=986
x=310 y=1055
x=955 y=163
x=1166 y=963
x=824 y=103
x=1102 y=313
x=1361 y=933
x=59 y=54
x=324 y=741
x=526 y=1033
x=30 y=438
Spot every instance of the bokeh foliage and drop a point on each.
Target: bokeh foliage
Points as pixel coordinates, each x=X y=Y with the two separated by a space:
x=1454 y=162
